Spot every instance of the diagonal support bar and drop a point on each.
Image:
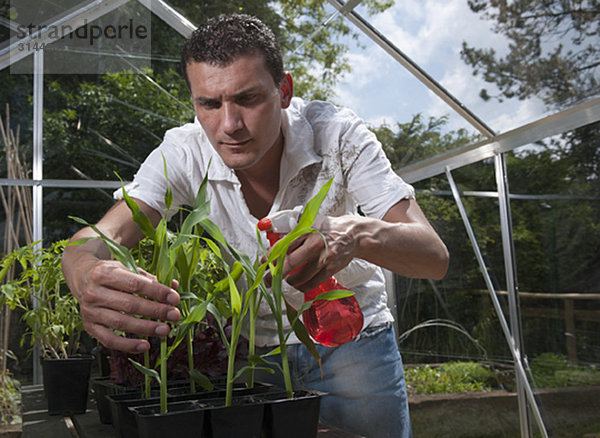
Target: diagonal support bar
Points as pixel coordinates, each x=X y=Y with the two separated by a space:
x=516 y=354
x=170 y=16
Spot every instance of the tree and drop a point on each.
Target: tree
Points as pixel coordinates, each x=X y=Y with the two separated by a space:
x=559 y=73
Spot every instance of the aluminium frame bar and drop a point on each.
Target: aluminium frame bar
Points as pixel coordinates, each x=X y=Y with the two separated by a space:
x=512 y=285
x=38 y=174
x=174 y=19
x=575 y=117
x=519 y=369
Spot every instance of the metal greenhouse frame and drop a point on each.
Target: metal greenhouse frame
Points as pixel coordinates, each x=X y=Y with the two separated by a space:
x=494 y=146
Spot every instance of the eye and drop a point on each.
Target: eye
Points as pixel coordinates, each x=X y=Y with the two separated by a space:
x=247 y=99
x=208 y=103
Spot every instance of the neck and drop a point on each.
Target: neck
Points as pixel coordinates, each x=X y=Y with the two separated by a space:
x=260 y=183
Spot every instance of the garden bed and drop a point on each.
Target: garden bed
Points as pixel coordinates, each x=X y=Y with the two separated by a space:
x=568 y=412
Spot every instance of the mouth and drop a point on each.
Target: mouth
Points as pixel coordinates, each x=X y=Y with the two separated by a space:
x=235 y=144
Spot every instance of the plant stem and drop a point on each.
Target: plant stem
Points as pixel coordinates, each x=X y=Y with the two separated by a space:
x=251 y=346
x=147 y=378
x=287 y=379
x=235 y=333
x=163 y=375
x=190 y=349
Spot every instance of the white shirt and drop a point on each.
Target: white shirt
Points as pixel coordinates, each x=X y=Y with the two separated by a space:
x=321 y=142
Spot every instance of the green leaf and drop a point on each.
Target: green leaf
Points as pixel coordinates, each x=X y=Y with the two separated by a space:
x=331 y=295
x=168 y=193
x=234 y=295
x=301 y=332
x=201 y=194
x=139 y=217
x=215 y=312
x=201 y=379
x=145 y=371
x=223 y=285
x=309 y=214
x=119 y=252
x=242 y=370
x=198 y=312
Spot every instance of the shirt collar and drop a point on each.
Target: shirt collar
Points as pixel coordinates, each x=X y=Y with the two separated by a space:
x=298 y=150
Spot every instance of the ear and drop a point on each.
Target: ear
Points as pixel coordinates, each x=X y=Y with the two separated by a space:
x=287 y=90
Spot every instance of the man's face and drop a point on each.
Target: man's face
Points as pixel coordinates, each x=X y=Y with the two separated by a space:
x=239 y=107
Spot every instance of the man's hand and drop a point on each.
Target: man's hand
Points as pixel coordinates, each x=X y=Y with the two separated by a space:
x=112 y=298
x=316 y=257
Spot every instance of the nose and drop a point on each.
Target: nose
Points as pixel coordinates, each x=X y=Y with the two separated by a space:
x=232 y=118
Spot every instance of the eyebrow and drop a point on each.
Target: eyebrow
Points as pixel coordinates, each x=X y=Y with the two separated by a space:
x=206 y=99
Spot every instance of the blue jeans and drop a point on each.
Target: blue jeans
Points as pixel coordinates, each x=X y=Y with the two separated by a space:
x=364 y=382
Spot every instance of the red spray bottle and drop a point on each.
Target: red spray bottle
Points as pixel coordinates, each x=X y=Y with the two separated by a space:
x=329 y=322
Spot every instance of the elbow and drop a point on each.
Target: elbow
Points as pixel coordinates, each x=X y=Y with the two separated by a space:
x=440 y=263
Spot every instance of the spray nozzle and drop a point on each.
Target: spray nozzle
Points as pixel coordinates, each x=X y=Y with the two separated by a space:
x=281 y=222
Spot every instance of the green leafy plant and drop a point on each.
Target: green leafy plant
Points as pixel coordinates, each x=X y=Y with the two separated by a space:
x=451 y=377
x=178 y=256
x=173 y=257
x=246 y=304
x=552 y=370
x=276 y=300
x=51 y=313
x=10 y=400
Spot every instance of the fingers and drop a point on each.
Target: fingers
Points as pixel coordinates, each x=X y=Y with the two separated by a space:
x=96 y=301
x=114 y=342
x=114 y=297
x=308 y=276
x=306 y=267
x=313 y=260
x=116 y=277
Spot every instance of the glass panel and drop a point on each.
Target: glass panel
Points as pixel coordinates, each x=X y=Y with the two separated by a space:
x=556 y=210
x=59 y=204
x=379 y=88
x=426 y=308
x=96 y=125
x=16 y=112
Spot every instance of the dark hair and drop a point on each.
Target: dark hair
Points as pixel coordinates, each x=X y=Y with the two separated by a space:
x=221 y=40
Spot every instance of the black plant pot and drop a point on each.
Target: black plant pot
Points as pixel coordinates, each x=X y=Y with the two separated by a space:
x=103 y=386
x=296 y=417
x=66 y=384
x=243 y=418
x=184 y=419
x=122 y=408
x=123 y=418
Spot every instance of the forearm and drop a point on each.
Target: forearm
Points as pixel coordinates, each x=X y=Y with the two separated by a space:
x=409 y=249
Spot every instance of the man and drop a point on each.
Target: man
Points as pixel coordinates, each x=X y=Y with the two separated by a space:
x=271 y=152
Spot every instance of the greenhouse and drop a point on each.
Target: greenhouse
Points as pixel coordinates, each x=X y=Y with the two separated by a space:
x=489 y=109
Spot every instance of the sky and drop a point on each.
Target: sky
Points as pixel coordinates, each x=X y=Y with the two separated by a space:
x=430 y=32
